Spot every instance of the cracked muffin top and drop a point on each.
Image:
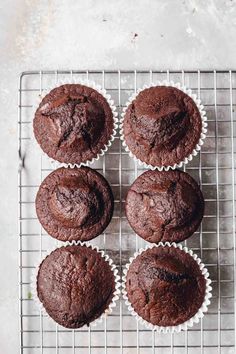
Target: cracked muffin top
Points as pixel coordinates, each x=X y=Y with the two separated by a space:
x=165 y=286
x=73 y=123
x=162 y=126
x=74 y=204
x=75 y=285
x=164 y=206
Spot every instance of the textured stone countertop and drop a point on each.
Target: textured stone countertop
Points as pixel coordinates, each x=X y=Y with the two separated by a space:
x=108 y=34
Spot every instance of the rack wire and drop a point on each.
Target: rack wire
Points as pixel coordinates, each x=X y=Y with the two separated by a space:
x=214 y=242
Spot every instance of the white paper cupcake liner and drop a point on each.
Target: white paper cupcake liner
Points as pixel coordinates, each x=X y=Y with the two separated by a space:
x=114 y=269
x=191 y=321
x=103 y=92
x=202 y=136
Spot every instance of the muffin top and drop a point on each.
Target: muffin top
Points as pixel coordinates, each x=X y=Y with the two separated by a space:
x=165 y=286
x=74 y=204
x=164 y=206
x=162 y=126
x=73 y=123
x=75 y=285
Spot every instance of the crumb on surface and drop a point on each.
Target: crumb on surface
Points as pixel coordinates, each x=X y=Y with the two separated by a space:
x=135 y=35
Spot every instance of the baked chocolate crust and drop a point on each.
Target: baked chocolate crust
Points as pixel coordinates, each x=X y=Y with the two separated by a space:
x=162 y=126
x=74 y=204
x=75 y=285
x=165 y=286
x=164 y=206
x=73 y=123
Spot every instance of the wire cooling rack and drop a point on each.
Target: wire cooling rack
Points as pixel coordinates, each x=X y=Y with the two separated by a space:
x=213 y=168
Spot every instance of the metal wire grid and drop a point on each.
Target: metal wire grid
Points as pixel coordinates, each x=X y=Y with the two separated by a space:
x=213 y=168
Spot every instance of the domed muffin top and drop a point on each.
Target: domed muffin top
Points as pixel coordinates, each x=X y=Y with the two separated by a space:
x=165 y=286
x=74 y=204
x=162 y=126
x=164 y=206
x=73 y=123
x=75 y=285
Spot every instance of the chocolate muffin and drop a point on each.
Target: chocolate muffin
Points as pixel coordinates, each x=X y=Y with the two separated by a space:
x=75 y=285
x=74 y=204
x=73 y=123
x=165 y=286
x=162 y=126
x=164 y=206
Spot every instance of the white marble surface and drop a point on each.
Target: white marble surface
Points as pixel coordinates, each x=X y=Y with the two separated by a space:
x=58 y=34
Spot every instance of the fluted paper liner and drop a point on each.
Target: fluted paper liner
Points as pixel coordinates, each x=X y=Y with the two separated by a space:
x=186 y=324
x=103 y=92
x=114 y=269
x=202 y=136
